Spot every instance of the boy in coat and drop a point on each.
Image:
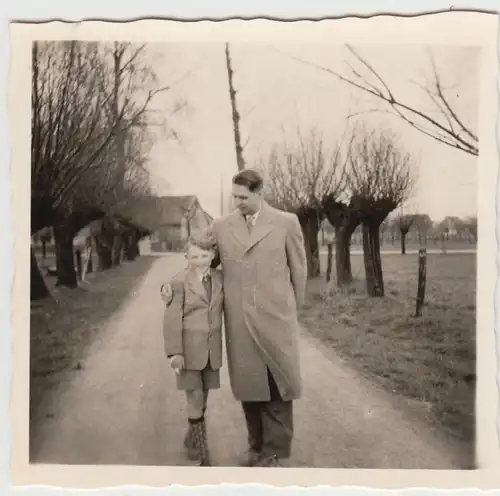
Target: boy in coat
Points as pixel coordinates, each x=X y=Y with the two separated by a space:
x=192 y=331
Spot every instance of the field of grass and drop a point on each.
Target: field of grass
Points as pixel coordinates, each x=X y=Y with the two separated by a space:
x=62 y=326
x=412 y=245
x=430 y=359
x=50 y=262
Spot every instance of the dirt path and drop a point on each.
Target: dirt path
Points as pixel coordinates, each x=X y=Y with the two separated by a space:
x=123 y=408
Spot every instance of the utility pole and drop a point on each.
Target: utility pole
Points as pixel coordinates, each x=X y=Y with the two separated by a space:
x=236 y=116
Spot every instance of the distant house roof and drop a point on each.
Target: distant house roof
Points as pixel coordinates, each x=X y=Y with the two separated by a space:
x=151 y=213
x=174 y=208
x=156 y=211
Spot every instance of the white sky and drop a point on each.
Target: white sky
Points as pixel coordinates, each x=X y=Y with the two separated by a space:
x=276 y=94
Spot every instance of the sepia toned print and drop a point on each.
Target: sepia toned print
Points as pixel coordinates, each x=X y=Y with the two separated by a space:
x=338 y=183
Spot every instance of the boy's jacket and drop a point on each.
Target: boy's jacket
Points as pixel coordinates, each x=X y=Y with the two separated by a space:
x=192 y=323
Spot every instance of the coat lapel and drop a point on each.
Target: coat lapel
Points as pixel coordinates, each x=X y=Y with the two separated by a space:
x=263 y=226
x=196 y=286
x=216 y=286
x=240 y=229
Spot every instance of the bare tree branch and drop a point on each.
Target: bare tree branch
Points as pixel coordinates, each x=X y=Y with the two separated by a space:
x=301 y=176
x=464 y=140
x=380 y=175
x=90 y=125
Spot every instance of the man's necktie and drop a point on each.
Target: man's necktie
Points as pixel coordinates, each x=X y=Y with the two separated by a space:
x=207 y=284
x=249 y=221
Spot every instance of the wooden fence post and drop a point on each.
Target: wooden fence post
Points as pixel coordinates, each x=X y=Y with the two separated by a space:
x=422 y=273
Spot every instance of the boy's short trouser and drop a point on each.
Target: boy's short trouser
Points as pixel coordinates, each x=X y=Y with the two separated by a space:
x=196 y=384
x=207 y=378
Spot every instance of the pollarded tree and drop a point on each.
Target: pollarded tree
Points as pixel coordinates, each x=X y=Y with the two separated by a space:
x=67 y=134
x=116 y=237
x=133 y=85
x=299 y=178
x=380 y=177
x=114 y=234
x=404 y=223
x=137 y=187
x=344 y=216
x=79 y=120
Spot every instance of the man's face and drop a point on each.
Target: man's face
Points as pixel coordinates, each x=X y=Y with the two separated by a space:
x=198 y=258
x=245 y=201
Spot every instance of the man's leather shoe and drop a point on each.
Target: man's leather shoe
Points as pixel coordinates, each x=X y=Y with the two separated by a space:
x=272 y=461
x=250 y=459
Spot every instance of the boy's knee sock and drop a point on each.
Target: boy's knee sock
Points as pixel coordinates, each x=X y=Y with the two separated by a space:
x=200 y=434
x=205 y=400
x=195 y=402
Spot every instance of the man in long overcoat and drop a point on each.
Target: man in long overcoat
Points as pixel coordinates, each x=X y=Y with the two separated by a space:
x=264 y=267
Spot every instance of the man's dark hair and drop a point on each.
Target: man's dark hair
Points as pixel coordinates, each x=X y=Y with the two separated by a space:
x=249 y=178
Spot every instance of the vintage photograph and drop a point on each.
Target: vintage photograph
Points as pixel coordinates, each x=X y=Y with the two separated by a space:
x=252 y=250
x=257 y=255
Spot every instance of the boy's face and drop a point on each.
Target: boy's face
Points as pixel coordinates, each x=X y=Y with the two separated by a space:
x=198 y=258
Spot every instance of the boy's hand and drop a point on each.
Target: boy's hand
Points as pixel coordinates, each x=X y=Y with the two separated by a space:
x=177 y=363
x=167 y=294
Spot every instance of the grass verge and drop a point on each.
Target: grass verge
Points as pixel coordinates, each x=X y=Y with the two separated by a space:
x=431 y=359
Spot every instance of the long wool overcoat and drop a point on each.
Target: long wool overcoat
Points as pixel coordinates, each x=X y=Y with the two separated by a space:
x=265 y=274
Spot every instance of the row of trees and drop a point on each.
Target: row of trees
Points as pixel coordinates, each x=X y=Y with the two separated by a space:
x=356 y=187
x=90 y=139
x=418 y=227
x=424 y=229
x=362 y=186
x=359 y=184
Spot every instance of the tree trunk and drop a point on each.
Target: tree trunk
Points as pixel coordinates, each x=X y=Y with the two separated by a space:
x=403 y=243
x=372 y=260
x=345 y=220
x=104 y=255
x=104 y=245
x=127 y=245
x=65 y=261
x=90 y=264
x=117 y=249
x=79 y=265
x=136 y=238
x=131 y=245
x=343 y=236
x=313 y=267
x=329 y=262
x=310 y=229
x=38 y=288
